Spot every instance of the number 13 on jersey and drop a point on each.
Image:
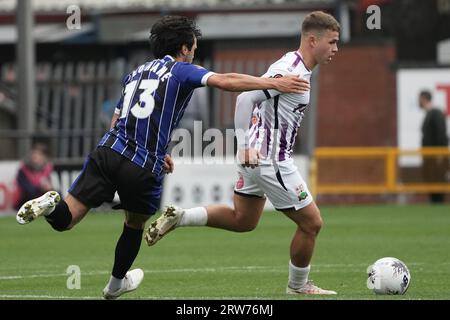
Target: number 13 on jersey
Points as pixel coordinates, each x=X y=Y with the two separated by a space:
x=144 y=107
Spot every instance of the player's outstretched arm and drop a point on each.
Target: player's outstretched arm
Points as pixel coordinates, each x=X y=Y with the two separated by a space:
x=247 y=156
x=242 y=82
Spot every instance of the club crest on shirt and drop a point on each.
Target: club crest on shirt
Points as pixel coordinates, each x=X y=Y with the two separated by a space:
x=240 y=182
x=301 y=193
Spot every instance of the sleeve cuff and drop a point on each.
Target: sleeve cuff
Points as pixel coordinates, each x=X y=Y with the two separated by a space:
x=205 y=78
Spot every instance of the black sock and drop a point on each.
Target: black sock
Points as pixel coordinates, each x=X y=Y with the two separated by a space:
x=61 y=217
x=127 y=249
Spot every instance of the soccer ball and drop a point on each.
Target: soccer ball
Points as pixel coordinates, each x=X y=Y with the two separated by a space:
x=388 y=276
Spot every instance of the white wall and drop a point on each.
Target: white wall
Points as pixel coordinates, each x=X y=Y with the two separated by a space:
x=191 y=185
x=195 y=185
x=409 y=116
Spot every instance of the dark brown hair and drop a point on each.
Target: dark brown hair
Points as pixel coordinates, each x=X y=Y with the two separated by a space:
x=426 y=94
x=320 y=21
x=169 y=34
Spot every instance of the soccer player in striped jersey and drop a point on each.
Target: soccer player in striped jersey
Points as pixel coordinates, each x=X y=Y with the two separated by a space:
x=266 y=138
x=131 y=158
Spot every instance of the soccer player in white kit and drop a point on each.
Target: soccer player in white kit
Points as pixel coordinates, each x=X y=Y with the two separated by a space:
x=267 y=123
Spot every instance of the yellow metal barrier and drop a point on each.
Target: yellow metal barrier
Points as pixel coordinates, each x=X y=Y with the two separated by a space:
x=370 y=171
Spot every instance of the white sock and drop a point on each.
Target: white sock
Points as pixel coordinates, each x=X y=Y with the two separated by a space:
x=297 y=276
x=114 y=283
x=194 y=217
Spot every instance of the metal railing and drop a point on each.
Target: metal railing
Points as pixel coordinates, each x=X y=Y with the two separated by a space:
x=379 y=170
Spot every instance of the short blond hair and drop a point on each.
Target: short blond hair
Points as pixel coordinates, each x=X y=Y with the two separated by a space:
x=320 y=21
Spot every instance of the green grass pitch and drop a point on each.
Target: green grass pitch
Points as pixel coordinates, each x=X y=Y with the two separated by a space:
x=205 y=263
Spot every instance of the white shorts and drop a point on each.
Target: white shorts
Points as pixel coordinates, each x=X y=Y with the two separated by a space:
x=286 y=190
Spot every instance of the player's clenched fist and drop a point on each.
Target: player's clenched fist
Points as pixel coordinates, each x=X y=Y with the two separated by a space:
x=249 y=157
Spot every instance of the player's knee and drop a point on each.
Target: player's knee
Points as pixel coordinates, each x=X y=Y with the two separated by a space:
x=245 y=227
x=242 y=224
x=318 y=223
x=136 y=220
x=135 y=225
x=313 y=226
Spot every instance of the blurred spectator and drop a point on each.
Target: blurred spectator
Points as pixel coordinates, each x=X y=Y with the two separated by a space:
x=33 y=177
x=434 y=134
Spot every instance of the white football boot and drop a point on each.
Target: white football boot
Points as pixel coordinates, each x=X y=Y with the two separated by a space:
x=35 y=208
x=309 y=288
x=130 y=283
x=163 y=225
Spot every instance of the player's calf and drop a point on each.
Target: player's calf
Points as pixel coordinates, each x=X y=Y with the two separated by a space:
x=60 y=218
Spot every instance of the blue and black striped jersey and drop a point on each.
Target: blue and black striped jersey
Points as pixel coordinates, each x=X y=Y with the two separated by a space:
x=153 y=101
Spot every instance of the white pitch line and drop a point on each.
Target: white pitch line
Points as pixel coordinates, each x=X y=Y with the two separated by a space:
x=54 y=275
x=316 y=268
x=33 y=276
x=33 y=296
x=181 y=270
x=36 y=296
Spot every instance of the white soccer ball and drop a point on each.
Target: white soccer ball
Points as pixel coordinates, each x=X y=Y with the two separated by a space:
x=388 y=276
